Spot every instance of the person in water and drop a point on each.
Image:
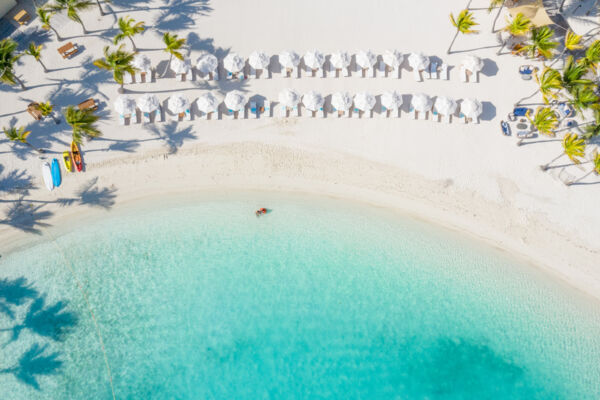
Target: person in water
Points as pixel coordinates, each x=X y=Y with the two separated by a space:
x=261 y=211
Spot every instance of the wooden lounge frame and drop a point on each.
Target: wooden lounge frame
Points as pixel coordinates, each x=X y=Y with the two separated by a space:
x=68 y=50
x=89 y=104
x=33 y=110
x=22 y=17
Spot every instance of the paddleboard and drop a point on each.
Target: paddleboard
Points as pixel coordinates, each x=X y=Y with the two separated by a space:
x=56 y=173
x=47 y=175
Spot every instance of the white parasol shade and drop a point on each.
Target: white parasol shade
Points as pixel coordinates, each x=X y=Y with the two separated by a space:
x=233 y=63
x=341 y=101
x=235 y=100
x=392 y=58
x=418 y=61
x=421 y=102
x=259 y=60
x=178 y=103
x=289 y=98
x=181 y=66
x=445 y=105
x=365 y=59
x=364 y=101
x=391 y=100
x=340 y=59
x=207 y=63
x=473 y=63
x=124 y=105
x=313 y=100
x=471 y=108
x=142 y=62
x=314 y=59
x=289 y=59
x=207 y=102
x=147 y=102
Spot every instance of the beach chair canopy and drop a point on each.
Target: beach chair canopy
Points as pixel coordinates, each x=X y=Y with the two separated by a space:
x=207 y=102
x=314 y=59
x=207 y=63
x=340 y=59
x=418 y=61
x=473 y=63
x=124 y=105
x=364 y=101
x=391 y=100
x=392 y=58
x=181 y=66
x=421 y=102
x=259 y=60
x=178 y=103
x=445 y=105
x=365 y=59
x=235 y=100
x=147 y=102
x=289 y=59
x=313 y=100
x=142 y=62
x=341 y=101
x=472 y=108
x=233 y=63
x=289 y=98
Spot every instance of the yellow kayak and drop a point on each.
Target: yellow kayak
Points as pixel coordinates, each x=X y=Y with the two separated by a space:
x=67 y=161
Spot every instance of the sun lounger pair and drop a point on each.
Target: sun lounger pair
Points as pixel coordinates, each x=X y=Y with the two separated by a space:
x=444 y=71
x=526 y=72
x=141 y=77
x=417 y=75
x=89 y=104
x=565 y=110
x=433 y=71
x=68 y=50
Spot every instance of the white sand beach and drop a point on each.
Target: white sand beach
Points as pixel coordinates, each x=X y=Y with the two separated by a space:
x=467 y=177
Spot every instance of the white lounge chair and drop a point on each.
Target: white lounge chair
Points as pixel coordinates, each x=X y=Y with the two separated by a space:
x=347 y=71
x=414 y=112
x=204 y=115
x=296 y=72
x=437 y=116
x=448 y=118
x=398 y=71
x=355 y=113
x=297 y=109
x=215 y=75
x=475 y=120
x=427 y=73
x=433 y=69
x=121 y=119
x=463 y=117
x=382 y=68
x=371 y=71
x=146 y=117
x=348 y=113
x=252 y=72
x=425 y=115
x=230 y=114
x=229 y=75
x=463 y=74
x=158 y=114
x=188 y=115
x=322 y=112
x=417 y=75
x=383 y=112
x=444 y=71
x=332 y=69
x=399 y=113
x=370 y=112
x=267 y=108
x=253 y=109
x=323 y=72
x=283 y=111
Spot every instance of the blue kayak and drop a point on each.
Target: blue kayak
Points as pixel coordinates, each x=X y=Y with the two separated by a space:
x=56 y=172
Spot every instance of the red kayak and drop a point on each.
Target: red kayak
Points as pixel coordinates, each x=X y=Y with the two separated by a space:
x=76 y=156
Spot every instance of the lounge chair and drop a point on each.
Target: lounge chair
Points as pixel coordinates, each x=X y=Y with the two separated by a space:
x=436 y=114
x=230 y=113
x=323 y=72
x=448 y=118
x=242 y=113
x=241 y=76
x=417 y=75
x=322 y=112
x=427 y=73
x=382 y=68
x=370 y=112
x=267 y=108
x=252 y=73
x=175 y=117
x=311 y=113
x=565 y=111
x=347 y=72
x=188 y=115
x=215 y=75
x=463 y=73
x=332 y=69
x=425 y=115
x=398 y=113
x=398 y=71
x=475 y=120
x=146 y=117
x=415 y=113
x=463 y=117
x=253 y=109
x=356 y=113
x=205 y=115
x=121 y=119
x=229 y=75
x=383 y=112
x=347 y=112
x=433 y=69
x=296 y=72
x=297 y=109
x=158 y=115
x=444 y=71
x=283 y=111
x=138 y=77
x=371 y=71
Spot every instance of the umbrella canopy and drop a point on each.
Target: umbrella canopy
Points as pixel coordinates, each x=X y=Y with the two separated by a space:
x=340 y=59
x=207 y=102
x=142 y=62
x=207 y=63
x=471 y=108
x=392 y=58
x=178 y=103
x=181 y=66
x=341 y=101
x=289 y=59
x=147 y=102
x=473 y=63
x=235 y=100
x=259 y=60
x=391 y=100
x=364 y=101
x=418 y=61
x=313 y=100
x=124 y=105
x=233 y=63
x=289 y=98
x=421 y=102
x=314 y=59
x=365 y=59
x=445 y=105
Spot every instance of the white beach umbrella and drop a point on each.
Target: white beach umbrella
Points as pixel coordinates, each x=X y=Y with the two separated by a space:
x=341 y=101
x=391 y=100
x=445 y=105
x=392 y=58
x=418 y=61
x=313 y=100
x=235 y=100
x=289 y=98
x=471 y=108
x=473 y=63
x=259 y=60
x=147 y=102
x=178 y=103
x=207 y=63
x=207 y=102
x=181 y=66
x=314 y=59
x=421 y=102
x=289 y=59
x=142 y=62
x=364 y=101
x=233 y=63
x=365 y=59
x=340 y=59
x=124 y=105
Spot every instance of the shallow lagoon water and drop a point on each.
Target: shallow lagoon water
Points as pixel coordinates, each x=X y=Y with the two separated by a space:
x=319 y=299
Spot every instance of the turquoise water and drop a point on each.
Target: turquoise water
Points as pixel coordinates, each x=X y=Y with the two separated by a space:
x=199 y=299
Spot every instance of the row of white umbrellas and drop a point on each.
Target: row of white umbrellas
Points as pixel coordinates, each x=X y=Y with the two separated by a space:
x=177 y=103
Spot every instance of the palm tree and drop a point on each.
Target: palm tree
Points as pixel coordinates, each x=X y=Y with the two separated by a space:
x=47 y=110
x=82 y=123
x=544 y=121
x=583 y=98
x=520 y=25
x=549 y=84
x=572 y=75
x=128 y=28
x=15 y=134
x=72 y=7
x=595 y=169
x=173 y=44
x=119 y=62
x=8 y=58
x=45 y=15
x=541 y=44
x=572 y=146
x=592 y=56
x=592 y=130
x=463 y=24
x=36 y=52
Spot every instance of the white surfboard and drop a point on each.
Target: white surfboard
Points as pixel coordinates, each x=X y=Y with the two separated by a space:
x=47 y=175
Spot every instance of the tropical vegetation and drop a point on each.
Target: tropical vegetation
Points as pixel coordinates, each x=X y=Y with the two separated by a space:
x=118 y=61
x=544 y=120
x=8 y=59
x=172 y=46
x=45 y=15
x=72 y=9
x=573 y=147
x=127 y=29
x=82 y=123
x=35 y=51
x=463 y=23
x=19 y=135
x=540 y=43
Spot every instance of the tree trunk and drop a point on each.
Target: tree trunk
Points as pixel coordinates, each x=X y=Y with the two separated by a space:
x=56 y=33
x=452 y=42
x=527 y=97
x=43 y=66
x=496 y=19
x=85 y=32
x=132 y=43
x=562 y=4
x=122 y=88
x=19 y=82
x=545 y=167
x=582 y=177
x=100 y=7
x=167 y=68
x=40 y=151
